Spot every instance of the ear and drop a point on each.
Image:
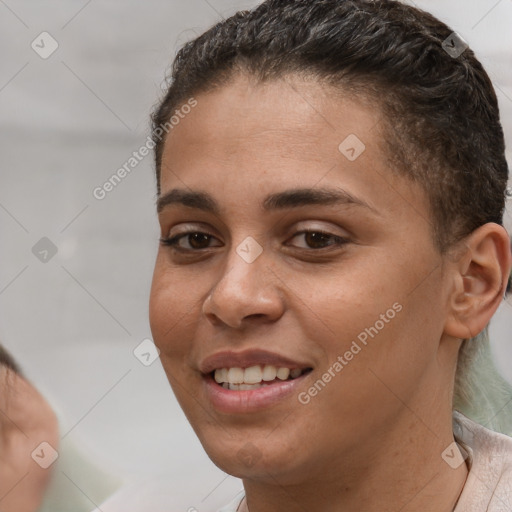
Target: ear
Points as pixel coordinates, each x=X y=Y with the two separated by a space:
x=481 y=272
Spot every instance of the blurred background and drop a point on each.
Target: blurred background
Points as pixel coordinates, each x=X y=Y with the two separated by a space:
x=77 y=82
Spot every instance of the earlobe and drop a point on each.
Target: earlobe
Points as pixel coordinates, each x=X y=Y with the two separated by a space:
x=480 y=279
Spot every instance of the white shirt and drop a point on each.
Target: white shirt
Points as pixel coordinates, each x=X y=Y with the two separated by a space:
x=488 y=454
x=488 y=487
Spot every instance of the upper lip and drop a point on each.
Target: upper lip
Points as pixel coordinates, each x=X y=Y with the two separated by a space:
x=247 y=358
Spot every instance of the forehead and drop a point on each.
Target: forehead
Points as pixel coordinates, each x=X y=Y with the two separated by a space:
x=247 y=136
x=292 y=118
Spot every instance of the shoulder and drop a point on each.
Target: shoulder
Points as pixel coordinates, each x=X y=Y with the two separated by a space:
x=489 y=483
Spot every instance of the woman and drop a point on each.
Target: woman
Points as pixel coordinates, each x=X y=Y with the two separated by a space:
x=331 y=186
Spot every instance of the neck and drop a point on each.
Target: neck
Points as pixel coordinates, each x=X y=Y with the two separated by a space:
x=398 y=472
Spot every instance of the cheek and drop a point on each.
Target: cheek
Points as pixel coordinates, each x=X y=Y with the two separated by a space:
x=168 y=316
x=383 y=325
x=170 y=303
x=337 y=307
x=364 y=300
x=174 y=309
x=168 y=309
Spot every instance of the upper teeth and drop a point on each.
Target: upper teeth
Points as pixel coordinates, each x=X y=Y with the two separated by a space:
x=254 y=374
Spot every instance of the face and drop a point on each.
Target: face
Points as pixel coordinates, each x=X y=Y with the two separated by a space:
x=339 y=282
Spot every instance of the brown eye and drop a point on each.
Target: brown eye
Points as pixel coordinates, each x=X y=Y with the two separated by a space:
x=198 y=240
x=319 y=239
x=194 y=240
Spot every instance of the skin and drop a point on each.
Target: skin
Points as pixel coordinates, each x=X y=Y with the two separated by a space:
x=26 y=420
x=372 y=439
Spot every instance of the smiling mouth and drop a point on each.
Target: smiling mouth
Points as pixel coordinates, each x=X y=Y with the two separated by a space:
x=255 y=377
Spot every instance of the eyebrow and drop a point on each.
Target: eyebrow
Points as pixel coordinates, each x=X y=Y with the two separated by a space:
x=293 y=198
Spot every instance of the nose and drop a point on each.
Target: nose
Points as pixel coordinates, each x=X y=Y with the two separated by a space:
x=245 y=293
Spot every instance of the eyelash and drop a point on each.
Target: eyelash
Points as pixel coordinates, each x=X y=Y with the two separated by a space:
x=173 y=241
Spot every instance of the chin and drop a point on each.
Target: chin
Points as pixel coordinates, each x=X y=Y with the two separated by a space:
x=254 y=457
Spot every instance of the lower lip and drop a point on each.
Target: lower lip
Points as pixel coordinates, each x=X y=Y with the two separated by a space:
x=233 y=401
